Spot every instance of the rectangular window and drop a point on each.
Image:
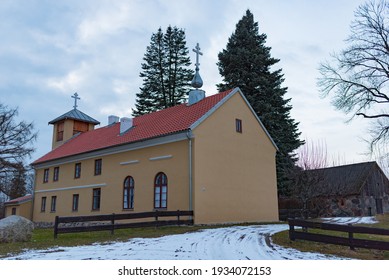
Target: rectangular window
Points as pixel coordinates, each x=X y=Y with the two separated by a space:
x=77 y=170
x=46 y=175
x=43 y=204
x=238 y=124
x=96 y=199
x=53 y=203
x=98 y=166
x=79 y=127
x=60 y=129
x=76 y=198
x=56 y=174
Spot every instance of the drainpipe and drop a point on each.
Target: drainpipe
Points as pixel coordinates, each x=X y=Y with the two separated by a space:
x=33 y=195
x=189 y=135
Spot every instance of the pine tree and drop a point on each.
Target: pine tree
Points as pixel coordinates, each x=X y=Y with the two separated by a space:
x=246 y=63
x=165 y=73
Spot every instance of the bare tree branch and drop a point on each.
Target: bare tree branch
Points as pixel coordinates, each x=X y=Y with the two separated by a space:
x=16 y=141
x=357 y=78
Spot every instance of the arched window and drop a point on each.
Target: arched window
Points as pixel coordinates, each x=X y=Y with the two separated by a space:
x=128 y=193
x=160 y=191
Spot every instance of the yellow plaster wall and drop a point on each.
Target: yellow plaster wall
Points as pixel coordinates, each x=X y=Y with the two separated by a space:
x=112 y=178
x=24 y=209
x=234 y=173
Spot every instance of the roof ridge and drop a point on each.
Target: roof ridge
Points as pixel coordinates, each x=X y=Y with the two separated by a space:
x=347 y=165
x=155 y=124
x=76 y=115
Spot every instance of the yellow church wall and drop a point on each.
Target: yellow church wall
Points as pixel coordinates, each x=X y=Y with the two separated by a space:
x=142 y=164
x=234 y=173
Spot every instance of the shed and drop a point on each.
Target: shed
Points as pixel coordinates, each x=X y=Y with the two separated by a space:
x=21 y=206
x=360 y=189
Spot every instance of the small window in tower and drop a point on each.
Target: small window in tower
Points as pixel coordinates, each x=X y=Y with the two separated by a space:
x=238 y=124
x=79 y=127
x=60 y=129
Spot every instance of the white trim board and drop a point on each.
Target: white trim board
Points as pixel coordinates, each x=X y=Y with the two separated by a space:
x=73 y=188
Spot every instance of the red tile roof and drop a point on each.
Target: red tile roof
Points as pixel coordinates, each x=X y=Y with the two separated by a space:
x=164 y=122
x=19 y=199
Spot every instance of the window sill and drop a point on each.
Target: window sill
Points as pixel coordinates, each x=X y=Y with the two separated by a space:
x=160 y=209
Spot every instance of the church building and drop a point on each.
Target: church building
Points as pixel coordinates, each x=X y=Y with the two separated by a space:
x=211 y=155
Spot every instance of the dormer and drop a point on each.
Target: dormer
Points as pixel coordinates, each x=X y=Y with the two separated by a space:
x=71 y=123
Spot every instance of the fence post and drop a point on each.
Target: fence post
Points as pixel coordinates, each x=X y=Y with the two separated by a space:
x=156 y=218
x=113 y=223
x=351 y=237
x=56 y=227
x=291 y=230
x=178 y=216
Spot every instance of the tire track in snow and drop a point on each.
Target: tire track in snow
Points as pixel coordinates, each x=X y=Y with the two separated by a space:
x=230 y=243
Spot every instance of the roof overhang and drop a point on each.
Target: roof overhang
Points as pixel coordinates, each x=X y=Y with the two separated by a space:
x=224 y=100
x=170 y=138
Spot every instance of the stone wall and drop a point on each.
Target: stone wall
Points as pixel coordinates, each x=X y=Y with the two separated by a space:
x=354 y=205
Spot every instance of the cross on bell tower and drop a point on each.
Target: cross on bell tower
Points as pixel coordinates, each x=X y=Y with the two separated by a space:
x=197 y=82
x=197 y=51
x=75 y=96
x=196 y=94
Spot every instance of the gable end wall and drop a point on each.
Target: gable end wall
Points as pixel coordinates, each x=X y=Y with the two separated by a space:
x=234 y=173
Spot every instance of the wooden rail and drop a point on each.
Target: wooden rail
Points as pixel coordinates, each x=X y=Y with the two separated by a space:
x=112 y=218
x=296 y=213
x=349 y=241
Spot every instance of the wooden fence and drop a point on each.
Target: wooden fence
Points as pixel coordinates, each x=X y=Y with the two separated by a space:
x=293 y=213
x=112 y=218
x=349 y=241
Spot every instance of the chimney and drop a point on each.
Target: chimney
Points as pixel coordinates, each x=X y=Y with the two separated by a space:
x=113 y=119
x=125 y=124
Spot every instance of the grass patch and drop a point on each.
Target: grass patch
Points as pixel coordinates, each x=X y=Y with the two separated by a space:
x=44 y=238
x=282 y=239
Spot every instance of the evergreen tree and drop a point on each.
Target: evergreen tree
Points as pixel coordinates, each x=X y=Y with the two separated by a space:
x=165 y=73
x=246 y=63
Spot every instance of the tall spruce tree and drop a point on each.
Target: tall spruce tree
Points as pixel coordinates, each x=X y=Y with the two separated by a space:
x=165 y=72
x=246 y=63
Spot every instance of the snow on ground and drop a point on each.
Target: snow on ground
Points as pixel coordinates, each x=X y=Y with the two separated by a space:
x=235 y=243
x=350 y=220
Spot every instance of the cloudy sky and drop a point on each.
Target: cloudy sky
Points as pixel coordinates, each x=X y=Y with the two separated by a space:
x=51 y=49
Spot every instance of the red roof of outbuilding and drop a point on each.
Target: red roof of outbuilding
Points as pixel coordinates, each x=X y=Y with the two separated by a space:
x=164 y=122
x=19 y=199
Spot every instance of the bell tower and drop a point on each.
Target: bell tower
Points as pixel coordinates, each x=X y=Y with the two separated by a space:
x=70 y=124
